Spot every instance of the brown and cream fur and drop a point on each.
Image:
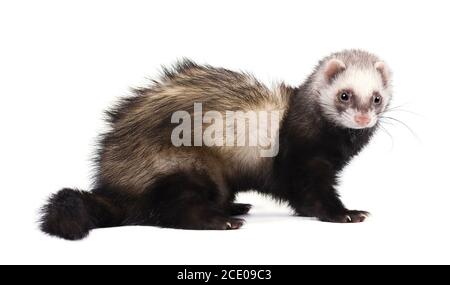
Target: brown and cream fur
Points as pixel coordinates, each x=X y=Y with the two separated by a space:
x=132 y=160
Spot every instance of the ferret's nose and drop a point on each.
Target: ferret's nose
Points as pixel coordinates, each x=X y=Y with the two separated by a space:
x=362 y=119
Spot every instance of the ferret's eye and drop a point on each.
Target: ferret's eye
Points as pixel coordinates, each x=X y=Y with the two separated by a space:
x=377 y=99
x=344 y=96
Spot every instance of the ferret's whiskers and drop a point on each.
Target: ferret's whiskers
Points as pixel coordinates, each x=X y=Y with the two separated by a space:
x=401 y=110
x=389 y=135
x=403 y=124
x=387 y=122
x=396 y=107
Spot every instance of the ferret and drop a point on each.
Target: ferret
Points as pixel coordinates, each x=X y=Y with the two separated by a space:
x=143 y=178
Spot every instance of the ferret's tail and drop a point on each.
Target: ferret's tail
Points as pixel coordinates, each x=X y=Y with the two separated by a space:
x=71 y=214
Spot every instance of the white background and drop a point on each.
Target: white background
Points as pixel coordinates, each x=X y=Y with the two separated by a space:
x=63 y=62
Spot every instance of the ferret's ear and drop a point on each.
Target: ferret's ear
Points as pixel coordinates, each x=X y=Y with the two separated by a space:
x=384 y=72
x=332 y=68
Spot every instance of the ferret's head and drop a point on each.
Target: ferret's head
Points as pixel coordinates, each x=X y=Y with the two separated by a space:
x=353 y=88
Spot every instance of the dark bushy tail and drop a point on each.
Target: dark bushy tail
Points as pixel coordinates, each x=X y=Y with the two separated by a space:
x=71 y=214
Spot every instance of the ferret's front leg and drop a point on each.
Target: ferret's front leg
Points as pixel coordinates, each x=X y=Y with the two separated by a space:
x=313 y=194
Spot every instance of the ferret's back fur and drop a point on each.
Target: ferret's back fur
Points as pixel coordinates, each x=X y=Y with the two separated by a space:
x=139 y=147
x=143 y=179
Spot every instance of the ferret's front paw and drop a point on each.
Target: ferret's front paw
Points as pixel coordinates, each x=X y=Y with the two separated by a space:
x=234 y=223
x=350 y=216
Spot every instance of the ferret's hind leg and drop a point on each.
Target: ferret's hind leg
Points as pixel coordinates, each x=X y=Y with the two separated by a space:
x=187 y=201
